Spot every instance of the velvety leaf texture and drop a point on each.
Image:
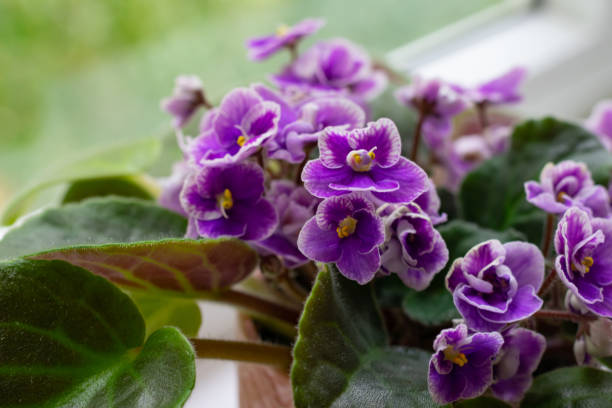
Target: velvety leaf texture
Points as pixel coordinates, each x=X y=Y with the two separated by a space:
x=575 y=387
x=129 y=159
x=136 y=187
x=493 y=194
x=341 y=357
x=68 y=338
x=159 y=311
x=129 y=242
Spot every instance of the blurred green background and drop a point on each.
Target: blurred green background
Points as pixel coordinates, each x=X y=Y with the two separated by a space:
x=76 y=75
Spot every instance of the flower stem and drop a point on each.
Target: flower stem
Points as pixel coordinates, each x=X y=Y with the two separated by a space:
x=549 y=280
x=417 y=136
x=248 y=352
x=256 y=305
x=481 y=109
x=561 y=315
x=548 y=232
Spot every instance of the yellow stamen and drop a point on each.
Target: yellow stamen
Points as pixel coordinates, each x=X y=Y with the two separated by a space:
x=346 y=227
x=454 y=356
x=372 y=155
x=282 y=29
x=561 y=196
x=241 y=140
x=357 y=158
x=225 y=200
x=587 y=262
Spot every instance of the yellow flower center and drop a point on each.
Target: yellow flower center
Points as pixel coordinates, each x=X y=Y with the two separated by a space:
x=450 y=354
x=282 y=30
x=241 y=140
x=361 y=160
x=346 y=227
x=226 y=201
x=587 y=262
x=561 y=196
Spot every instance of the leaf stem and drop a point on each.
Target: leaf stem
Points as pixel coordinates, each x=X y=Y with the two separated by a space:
x=256 y=305
x=248 y=352
x=562 y=315
x=548 y=232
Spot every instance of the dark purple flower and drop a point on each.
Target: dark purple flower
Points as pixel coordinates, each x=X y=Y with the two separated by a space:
x=565 y=185
x=462 y=365
x=437 y=102
x=500 y=90
x=261 y=48
x=429 y=201
x=600 y=123
x=414 y=250
x=187 y=97
x=345 y=230
x=294 y=206
x=365 y=159
x=237 y=129
x=519 y=358
x=496 y=284
x=226 y=200
x=172 y=186
x=584 y=261
x=338 y=65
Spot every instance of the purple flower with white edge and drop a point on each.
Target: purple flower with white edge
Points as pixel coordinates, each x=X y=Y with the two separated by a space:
x=496 y=284
x=437 y=102
x=294 y=206
x=500 y=90
x=429 y=201
x=519 y=357
x=584 y=261
x=186 y=99
x=285 y=36
x=226 y=201
x=414 y=250
x=346 y=231
x=600 y=123
x=462 y=365
x=366 y=159
x=242 y=123
x=565 y=185
x=336 y=64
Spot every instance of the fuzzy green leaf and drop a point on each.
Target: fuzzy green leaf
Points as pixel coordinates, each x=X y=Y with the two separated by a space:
x=126 y=186
x=159 y=311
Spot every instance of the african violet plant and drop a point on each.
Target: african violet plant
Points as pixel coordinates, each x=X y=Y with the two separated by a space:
x=453 y=277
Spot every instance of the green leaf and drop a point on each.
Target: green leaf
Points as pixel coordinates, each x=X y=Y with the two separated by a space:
x=130 y=242
x=493 y=195
x=128 y=159
x=341 y=357
x=432 y=307
x=576 y=387
x=69 y=338
x=126 y=186
x=159 y=311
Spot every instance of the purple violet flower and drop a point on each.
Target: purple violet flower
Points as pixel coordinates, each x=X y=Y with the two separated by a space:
x=463 y=155
x=500 y=90
x=187 y=97
x=263 y=47
x=600 y=123
x=338 y=65
x=584 y=261
x=294 y=206
x=496 y=284
x=172 y=186
x=226 y=200
x=567 y=184
x=429 y=201
x=598 y=338
x=437 y=102
x=462 y=366
x=345 y=230
x=519 y=357
x=365 y=159
x=414 y=250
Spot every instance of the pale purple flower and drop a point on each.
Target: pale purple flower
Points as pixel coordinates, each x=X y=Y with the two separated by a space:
x=462 y=156
x=584 y=261
x=565 y=185
x=598 y=338
x=172 y=186
x=429 y=201
x=437 y=102
x=186 y=99
x=263 y=47
x=237 y=129
x=500 y=90
x=462 y=365
x=346 y=231
x=413 y=250
x=518 y=359
x=366 y=159
x=226 y=200
x=600 y=123
x=337 y=65
x=294 y=206
x=496 y=284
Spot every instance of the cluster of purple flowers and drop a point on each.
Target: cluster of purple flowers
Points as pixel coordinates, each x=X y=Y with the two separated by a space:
x=461 y=149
